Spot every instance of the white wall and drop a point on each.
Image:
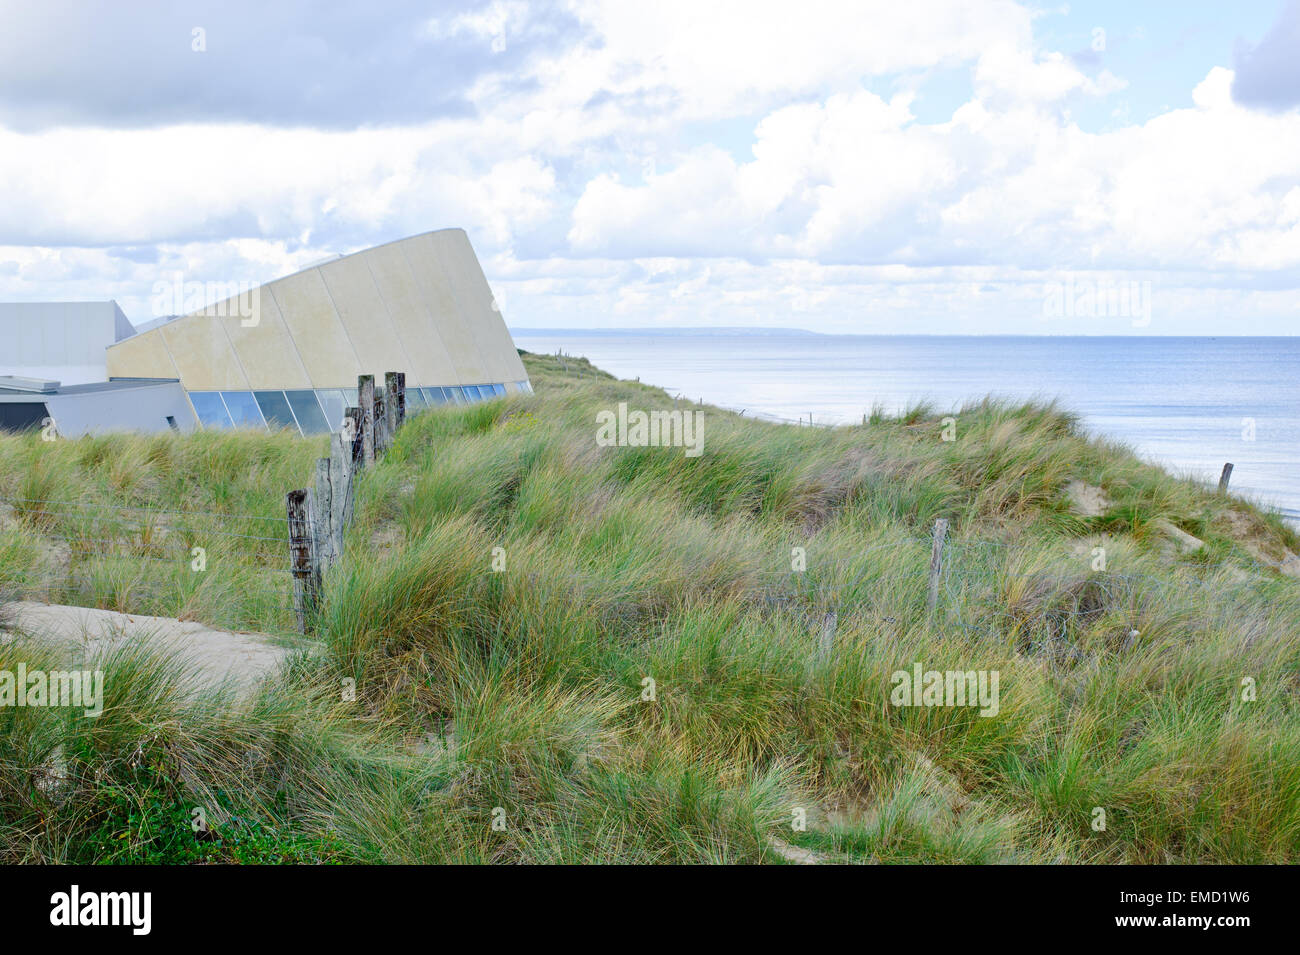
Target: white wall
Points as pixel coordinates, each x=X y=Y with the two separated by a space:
x=121 y=409
x=60 y=341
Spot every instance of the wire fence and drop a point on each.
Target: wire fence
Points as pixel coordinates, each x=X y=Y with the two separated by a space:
x=980 y=592
x=167 y=561
x=148 y=560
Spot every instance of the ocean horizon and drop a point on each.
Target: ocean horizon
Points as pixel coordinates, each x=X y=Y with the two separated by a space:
x=1188 y=404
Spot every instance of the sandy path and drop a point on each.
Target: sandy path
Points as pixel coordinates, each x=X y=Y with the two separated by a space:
x=215 y=655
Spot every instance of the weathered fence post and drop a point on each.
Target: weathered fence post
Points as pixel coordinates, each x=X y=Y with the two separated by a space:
x=395 y=400
x=936 y=562
x=366 y=399
x=352 y=427
x=826 y=643
x=301 y=557
x=341 y=489
x=321 y=513
x=1225 y=477
x=381 y=423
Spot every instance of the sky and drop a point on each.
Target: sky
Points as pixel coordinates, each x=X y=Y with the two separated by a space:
x=922 y=167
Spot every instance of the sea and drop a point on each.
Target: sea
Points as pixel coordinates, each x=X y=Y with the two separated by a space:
x=1187 y=404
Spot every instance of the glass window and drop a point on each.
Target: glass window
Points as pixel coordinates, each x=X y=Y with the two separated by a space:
x=333 y=402
x=472 y=393
x=243 y=409
x=414 y=400
x=350 y=396
x=526 y=387
x=455 y=394
x=275 y=409
x=210 y=409
x=500 y=390
x=308 y=412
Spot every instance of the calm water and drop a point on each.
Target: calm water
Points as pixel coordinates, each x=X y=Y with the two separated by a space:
x=1180 y=402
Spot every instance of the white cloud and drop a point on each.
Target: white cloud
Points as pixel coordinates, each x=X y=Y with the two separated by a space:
x=700 y=161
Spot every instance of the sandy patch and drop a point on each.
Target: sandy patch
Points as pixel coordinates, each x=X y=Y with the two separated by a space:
x=215 y=655
x=793 y=854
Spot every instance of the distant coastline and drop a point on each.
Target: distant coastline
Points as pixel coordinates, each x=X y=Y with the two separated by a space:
x=721 y=331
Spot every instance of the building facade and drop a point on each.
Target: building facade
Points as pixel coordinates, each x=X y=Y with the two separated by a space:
x=288 y=353
x=60 y=341
x=93 y=408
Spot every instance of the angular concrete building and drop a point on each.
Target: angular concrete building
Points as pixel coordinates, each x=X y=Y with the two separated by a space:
x=287 y=354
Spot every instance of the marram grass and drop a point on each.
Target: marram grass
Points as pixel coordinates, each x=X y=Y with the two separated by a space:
x=538 y=649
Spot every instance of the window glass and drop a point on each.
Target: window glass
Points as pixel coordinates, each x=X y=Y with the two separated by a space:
x=472 y=393
x=333 y=402
x=350 y=396
x=526 y=387
x=414 y=400
x=500 y=390
x=308 y=412
x=210 y=409
x=243 y=409
x=275 y=409
x=455 y=394
x=21 y=415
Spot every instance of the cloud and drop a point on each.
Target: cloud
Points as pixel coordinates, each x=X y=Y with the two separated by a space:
x=1268 y=73
x=724 y=162
x=857 y=180
x=288 y=63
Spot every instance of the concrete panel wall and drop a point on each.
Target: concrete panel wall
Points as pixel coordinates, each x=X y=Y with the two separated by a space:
x=322 y=341
x=266 y=350
x=358 y=304
x=202 y=354
x=453 y=253
x=145 y=356
x=427 y=355
x=445 y=310
x=419 y=305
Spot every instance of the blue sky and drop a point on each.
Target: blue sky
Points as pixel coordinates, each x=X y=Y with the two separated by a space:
x=928 y=167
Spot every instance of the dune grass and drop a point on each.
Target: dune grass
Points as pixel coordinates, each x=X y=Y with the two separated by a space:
x=537 y=649
x=112 y=521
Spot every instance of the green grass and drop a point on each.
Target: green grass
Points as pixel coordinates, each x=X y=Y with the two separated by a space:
x=502 y=716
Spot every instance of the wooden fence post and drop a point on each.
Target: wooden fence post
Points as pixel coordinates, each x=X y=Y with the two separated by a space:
x=1225 y=477
x=381 y=422
x=395 y=400
x=352 y=425
x=301 y=559
x=341 y=490
x=366 y=399
x=321 y=514
x=936 y=562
